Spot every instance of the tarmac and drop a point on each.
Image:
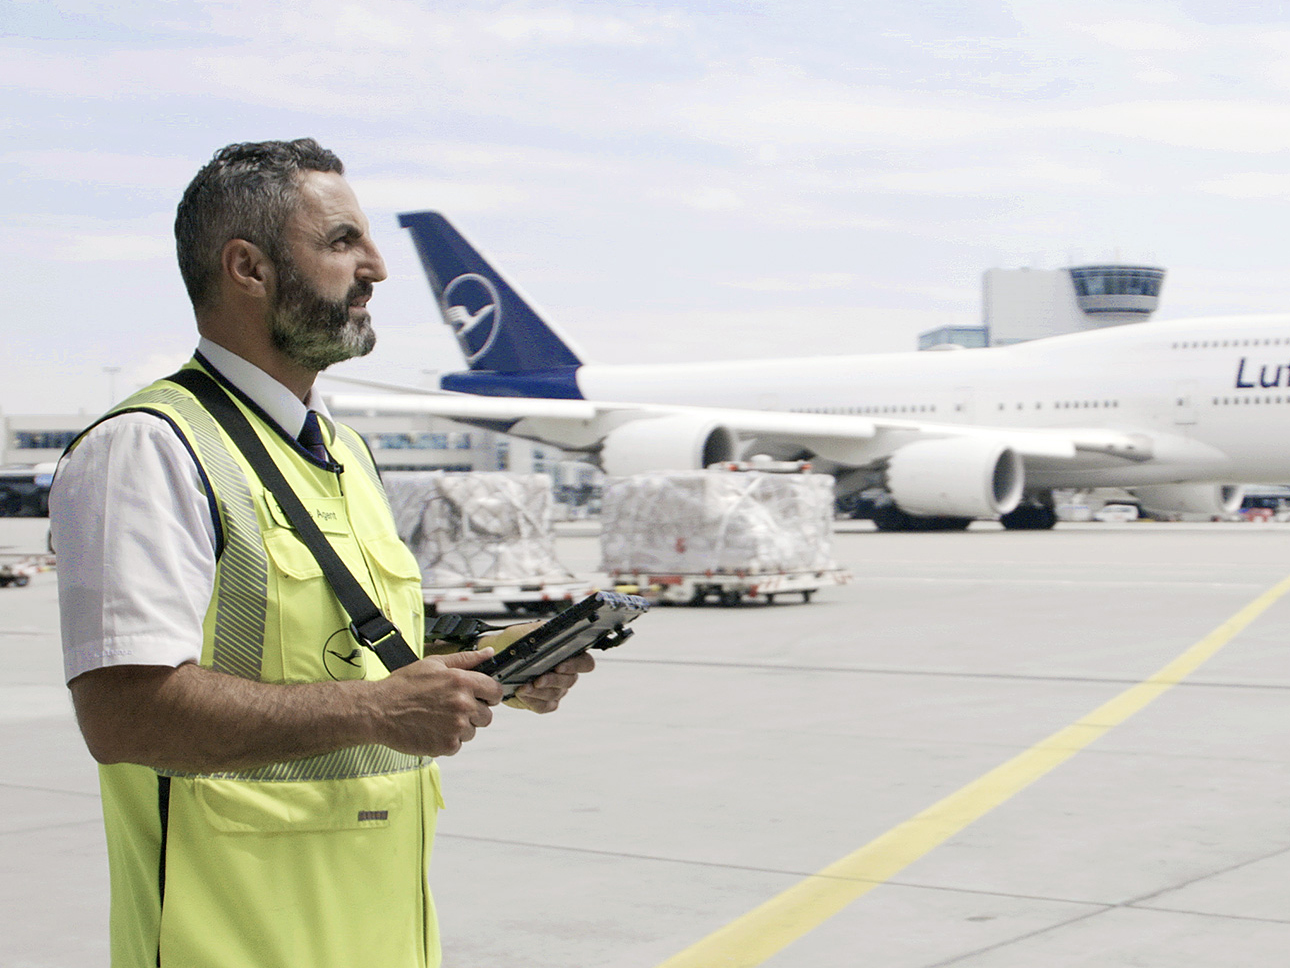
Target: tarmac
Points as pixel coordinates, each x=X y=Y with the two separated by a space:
x=950 y=761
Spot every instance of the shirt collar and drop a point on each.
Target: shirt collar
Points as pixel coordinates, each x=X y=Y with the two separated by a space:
x=282 y=406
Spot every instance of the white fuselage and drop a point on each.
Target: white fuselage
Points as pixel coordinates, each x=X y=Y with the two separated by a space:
x=1213 y=393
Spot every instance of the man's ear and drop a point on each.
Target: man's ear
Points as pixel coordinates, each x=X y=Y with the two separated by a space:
x=247 y=268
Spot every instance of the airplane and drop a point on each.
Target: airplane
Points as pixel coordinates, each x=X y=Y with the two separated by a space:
x=1183 y=413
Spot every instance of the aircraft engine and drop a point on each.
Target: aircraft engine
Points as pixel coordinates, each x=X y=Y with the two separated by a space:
x=962 y=477
x=1205 y=500
x=677 y=442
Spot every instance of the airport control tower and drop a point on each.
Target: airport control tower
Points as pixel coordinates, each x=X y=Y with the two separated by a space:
x=1024 y=304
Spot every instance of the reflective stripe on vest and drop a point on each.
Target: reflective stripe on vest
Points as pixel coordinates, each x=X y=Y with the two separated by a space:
x=242 y=578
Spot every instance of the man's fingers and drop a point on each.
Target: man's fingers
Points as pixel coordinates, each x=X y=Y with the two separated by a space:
x=482 y=715
x=464 y=660
x=579 y=663
x=485 y=689
x=553 y=681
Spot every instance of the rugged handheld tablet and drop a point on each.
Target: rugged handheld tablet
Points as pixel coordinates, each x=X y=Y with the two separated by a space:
x=596 y=622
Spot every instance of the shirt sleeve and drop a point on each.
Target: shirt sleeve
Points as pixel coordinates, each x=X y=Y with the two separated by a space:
x=131 y=524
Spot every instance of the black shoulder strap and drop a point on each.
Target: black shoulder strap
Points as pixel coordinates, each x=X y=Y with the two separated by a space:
x=368 y=623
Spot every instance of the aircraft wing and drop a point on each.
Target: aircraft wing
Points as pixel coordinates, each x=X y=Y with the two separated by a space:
x=853 y=441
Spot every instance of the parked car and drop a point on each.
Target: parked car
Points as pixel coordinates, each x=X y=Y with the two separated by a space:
x=1117 y=512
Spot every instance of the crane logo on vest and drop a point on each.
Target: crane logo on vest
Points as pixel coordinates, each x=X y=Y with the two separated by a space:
x=473 y=309
x=343 y=658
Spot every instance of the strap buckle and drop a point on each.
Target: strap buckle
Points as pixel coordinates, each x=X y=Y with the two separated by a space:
x=373 y=631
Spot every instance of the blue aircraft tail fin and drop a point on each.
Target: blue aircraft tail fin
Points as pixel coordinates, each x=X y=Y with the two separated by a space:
x=508 y=346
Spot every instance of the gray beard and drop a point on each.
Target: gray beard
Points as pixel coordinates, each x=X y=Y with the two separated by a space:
x=313 y=331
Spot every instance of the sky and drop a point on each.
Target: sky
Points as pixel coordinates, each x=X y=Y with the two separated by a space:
x=666 y=180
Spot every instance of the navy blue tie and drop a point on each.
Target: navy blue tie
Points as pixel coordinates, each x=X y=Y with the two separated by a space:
x=311 y=438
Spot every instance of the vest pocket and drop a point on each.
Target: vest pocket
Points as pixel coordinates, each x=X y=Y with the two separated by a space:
x=238 y=807
x=401 y=576
x=323 y=873
x=393 y=557
x=312 y=640
x=290 y=555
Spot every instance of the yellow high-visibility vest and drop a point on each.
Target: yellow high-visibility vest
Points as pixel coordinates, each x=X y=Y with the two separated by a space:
x=317 y=862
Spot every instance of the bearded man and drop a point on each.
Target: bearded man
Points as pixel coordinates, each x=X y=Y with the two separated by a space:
x=269 y=790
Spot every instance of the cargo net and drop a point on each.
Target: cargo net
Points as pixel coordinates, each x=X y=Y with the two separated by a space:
x=719 y=522
x=478 y=528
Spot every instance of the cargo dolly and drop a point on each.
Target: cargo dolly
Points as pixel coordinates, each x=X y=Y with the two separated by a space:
x=726 y=588
x=537 y=597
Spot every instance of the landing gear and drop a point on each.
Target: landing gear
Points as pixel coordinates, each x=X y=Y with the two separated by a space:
x=1030 y=517
x=891 y=518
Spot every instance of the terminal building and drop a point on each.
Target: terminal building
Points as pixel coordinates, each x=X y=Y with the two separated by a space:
x=1024 y=304
x=29 y=444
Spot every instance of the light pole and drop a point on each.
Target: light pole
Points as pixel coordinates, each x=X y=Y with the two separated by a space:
x=111 y=372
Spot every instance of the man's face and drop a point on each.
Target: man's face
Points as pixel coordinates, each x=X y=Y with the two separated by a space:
x=325 y=277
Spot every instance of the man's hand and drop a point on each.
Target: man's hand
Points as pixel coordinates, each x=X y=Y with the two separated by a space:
x=432 y=707
x=544 y=693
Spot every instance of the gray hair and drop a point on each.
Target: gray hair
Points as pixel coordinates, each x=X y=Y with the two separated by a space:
x=247 y=191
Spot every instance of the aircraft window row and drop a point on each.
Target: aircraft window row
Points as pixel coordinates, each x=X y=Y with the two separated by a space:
x=849 y=411
x=1213 y=344
x=1237 y=401
x=1071 y=405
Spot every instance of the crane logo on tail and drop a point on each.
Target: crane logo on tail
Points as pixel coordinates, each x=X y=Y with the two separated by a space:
x=472 y=308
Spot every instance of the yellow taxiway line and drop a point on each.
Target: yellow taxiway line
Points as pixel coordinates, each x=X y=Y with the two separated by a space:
x=772 y=926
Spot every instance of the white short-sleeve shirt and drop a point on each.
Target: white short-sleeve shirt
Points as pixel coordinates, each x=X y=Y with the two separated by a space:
x=133 y=527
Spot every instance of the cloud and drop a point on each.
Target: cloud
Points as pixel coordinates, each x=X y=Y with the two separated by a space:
x=1244 y=126
x=712 y=199
x=742 y=109
x=563 y=25
x=1027 y=176
x=165 y=173
x=1250 y=184
x=458 y=197
x=1144 y=35
x=405 y=25
x=87 y=239
x=1156 y=75
x=797 y=282
x=114 y=248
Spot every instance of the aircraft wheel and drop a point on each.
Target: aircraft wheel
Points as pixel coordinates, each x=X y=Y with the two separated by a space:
x=1030 y=517
x=892 y=518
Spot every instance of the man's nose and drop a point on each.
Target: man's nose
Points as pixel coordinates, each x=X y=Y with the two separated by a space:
x=372 y=268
